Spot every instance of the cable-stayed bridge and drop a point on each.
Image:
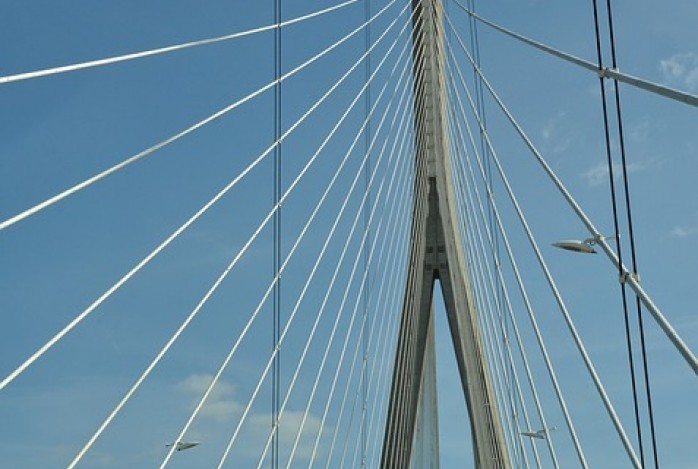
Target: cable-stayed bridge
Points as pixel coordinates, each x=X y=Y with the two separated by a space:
x=266 y=229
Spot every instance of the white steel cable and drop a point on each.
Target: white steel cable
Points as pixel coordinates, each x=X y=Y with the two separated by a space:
x=399 y=397
x=191 y=220
x=87 y=182
x=166 y=49
x=331 y=396
x=471 y=187
x=210 y=292
x=483 y=300
x=381 y=394
x=467 y=207
x=385 y=344
x=611 y=73
x=382 y=250
x=351 y=372
x=630 y=279
x=467 y=189
x=293 y=184
x=381 y=337
x=331 y=233
x=331 y=392
x=170 y=342
x=522 y=288
x=332 y=282
x=393 y=274
x=214 y=287
x=329 y=399
x=562 y=307
x=416 y=219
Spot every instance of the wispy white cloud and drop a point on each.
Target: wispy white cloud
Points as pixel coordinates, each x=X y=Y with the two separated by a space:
x=681 y=69
x=553 y=138
x=221 y=404
x=639 y=131
x=289 y=427
x=551 y=125
x=684 y=231
x=598 y=174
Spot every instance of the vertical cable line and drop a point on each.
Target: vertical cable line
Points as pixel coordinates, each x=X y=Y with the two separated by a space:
x=334 y=381
x=649 y=304
x=628 y=211
x=484 y=297
x=393 y=310
x=471 y=186
x=619 y=247
x=220 y=279
x=473 y=230
x=172 y=138
x=295 y=309
x=258 y=159
x=480 y=101
x=546 y=271
x=403 y=346
x=290 y=188
x=381 y=251
x=517 y=273
x=472 y=195
x=366 y=297
x=277 y=189
x=332 y=231
x=518 y=278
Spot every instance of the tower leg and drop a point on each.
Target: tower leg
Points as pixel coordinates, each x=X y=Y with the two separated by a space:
x=437 y=254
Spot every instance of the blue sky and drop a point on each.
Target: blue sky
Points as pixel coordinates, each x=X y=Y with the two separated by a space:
x=56 y=131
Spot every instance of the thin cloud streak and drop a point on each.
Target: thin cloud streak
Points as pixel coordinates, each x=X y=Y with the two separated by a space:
x=598 y=174
x=683 y=231
x=681 y=69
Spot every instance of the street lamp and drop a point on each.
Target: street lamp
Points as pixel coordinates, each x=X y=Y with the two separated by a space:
x=586 y=246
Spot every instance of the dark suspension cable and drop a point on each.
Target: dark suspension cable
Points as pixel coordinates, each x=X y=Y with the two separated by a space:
x=628 y=211
x=619 y=251
x=367 y=245
x=276 y=241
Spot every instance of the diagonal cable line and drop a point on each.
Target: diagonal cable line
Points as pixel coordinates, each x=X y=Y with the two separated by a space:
x=558 y=298
x=329 y=399
x=467 y=187
x=486 y=300
x=472 y=187
x=191 y=220
x=519 y=280
x=333 y=387
x=369 y=184
x=163 y=50
x=254 y=315
x=474 y=226
x=611 y=73
x=288 y=324
x=387 y=345
x=148 y=151
x=598 y=238
x=383 y=328
x=340 y=365
x=404 y=349
x=352 y=187
x=341 y=308
x=385 y=332
x=524 y=294
x=214 y=288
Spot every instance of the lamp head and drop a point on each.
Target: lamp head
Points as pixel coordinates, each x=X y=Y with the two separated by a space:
x=575 y=246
